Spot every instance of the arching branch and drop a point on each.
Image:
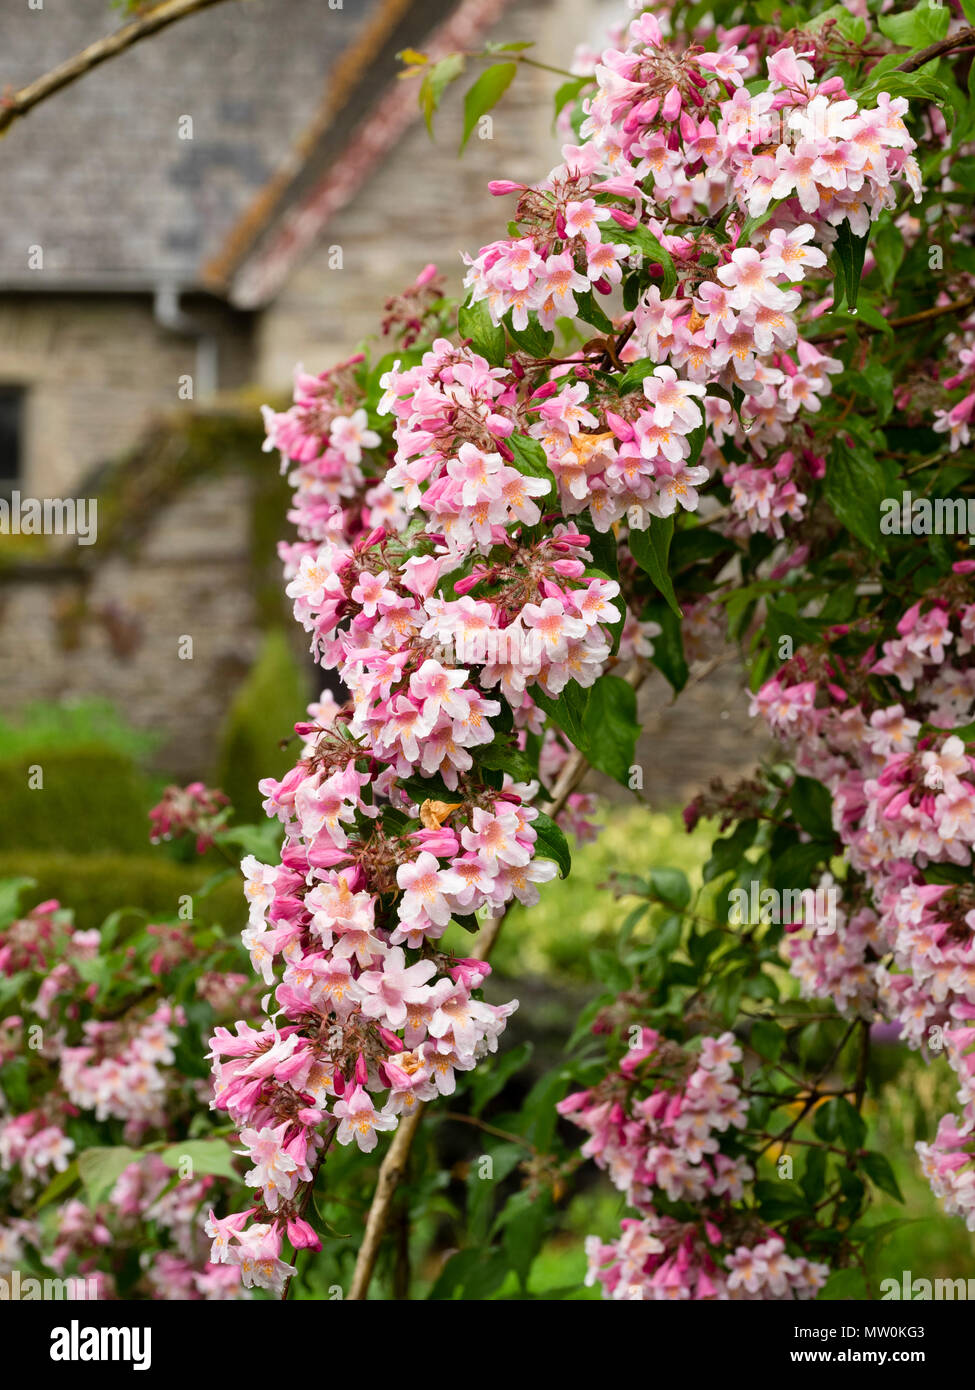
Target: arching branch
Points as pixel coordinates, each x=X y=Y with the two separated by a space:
x=936 y=50
x=159 y=17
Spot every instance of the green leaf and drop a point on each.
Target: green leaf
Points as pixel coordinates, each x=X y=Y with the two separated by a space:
x=529 y=458
x=263 y=841
x=649 y=247
x=551 y=843
x=813 y=1181
x=849 y=253
x=768 y=1039
x=100 y=1170
x=881 y=1174
x=602 y=548
x=728 y=852
x=778 y=1202
x=752 y=224
x=502 y=755
x=486 y=92
x=206 y=1156
x=601 y=722
x=611 y=727
x=570 y=92
x=845 y=1285
x=526 y=1220
x=876 y=384
x=856 y=485
x=436 y=82
x=888 y=249
x=454 y=1273
x=589 y=310
x=812 y=807
x=651 y=549
x=533 y=339
x=727 y=996
x=487 y=338
x=491 y=1078
x=918 y=28
x=796 y=866
x=427 y=789
x=58 y=1184
x=783 y=619
x=636 y=373
x=610 y=971
x=10 y=892
x=838 y=1119
x=668 y=645
x=671 y=887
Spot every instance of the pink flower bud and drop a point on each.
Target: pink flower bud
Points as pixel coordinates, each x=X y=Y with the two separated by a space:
x=620 y=427
x=301 y=1235
x=626 y=220
x=443 y=842
x=672 y=105
x=500 y=426
x=549 y=389
x=470 y=973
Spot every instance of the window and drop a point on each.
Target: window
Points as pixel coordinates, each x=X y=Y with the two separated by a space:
x=11 y=438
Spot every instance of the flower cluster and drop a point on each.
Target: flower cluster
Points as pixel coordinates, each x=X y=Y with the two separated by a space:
x=119 y=1069
x=77 y=1072
x=676 y=137
x=656 y=1126
x=903 y=798
x=191 y=810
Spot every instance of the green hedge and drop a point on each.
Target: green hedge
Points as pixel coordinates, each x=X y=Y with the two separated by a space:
x=91 y=798
x=95 y=885
x=264 y=711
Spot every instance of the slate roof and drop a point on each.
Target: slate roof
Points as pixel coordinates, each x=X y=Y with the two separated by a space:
x=97 y=175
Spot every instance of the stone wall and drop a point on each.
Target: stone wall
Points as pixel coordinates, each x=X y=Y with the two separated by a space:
x=119 y=636
x=96 y=368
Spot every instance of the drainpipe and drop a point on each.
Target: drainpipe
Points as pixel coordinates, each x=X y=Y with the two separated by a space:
x=170 y=315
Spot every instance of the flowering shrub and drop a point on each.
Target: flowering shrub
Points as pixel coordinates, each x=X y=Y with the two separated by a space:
x=107 y=1166
x=696 y=391
x=490 y=530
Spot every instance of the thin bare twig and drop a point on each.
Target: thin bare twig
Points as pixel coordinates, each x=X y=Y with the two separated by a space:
x=159 y=17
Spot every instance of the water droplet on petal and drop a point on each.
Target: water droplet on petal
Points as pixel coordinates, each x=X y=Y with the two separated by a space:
x=854 y=311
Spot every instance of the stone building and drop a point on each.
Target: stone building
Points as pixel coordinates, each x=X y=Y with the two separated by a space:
x=237 y=193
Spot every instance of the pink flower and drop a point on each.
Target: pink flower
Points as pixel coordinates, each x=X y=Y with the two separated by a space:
x=359 y=1120
x=426 y=888
x=395 y=985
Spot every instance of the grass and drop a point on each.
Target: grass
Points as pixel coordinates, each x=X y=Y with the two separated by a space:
x=46 y=727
